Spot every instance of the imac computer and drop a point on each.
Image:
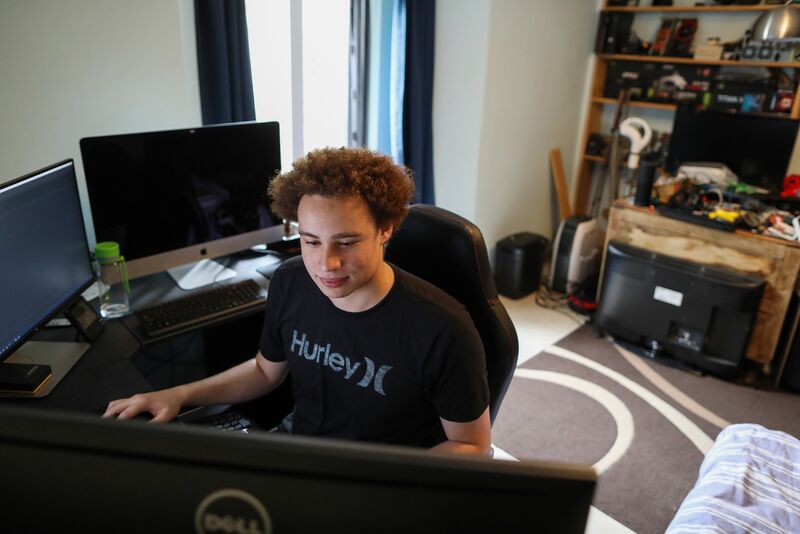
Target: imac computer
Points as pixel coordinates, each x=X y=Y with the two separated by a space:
x=46 y=267
x=110 y=475
x=756 y=148
x=175 y=199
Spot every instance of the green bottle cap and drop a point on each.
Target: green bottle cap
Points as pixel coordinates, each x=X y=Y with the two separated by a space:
x=107 y=250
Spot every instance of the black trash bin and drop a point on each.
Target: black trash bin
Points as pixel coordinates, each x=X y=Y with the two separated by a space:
x=518 y=264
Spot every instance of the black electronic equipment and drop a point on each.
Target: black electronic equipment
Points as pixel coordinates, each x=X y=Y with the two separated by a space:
x=788 y=369
x=133 y=476
x=756 y=148
x=85 y=319
x=695 y=313
x=636 y=76
x=613 y=33
x=47 y=266
x=200 y=307
x=644 y=180
x=519 y=262
x=596 y=145
x=170 y=198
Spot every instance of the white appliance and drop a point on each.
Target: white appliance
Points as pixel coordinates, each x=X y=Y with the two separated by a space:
x=576 y=253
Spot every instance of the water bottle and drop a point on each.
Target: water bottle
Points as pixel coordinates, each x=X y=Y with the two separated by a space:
x=112 y=280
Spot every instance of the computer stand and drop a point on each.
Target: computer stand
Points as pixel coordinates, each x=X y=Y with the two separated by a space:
x=657 y=356
x=61 y=356
x=200 y=273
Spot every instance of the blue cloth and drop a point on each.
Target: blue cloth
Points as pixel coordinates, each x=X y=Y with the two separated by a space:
x=749 y=482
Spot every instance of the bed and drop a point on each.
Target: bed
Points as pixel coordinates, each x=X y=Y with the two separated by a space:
x=749 y=482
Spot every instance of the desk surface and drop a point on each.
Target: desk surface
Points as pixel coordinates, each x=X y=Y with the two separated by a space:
x=107 y=370
x=160 y=287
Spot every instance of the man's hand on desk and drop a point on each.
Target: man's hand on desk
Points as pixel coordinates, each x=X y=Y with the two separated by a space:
x=163 y=405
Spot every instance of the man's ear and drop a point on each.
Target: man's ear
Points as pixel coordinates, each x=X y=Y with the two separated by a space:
x=386 y=233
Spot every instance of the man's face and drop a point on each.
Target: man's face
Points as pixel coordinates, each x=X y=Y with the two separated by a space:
x=342 y=249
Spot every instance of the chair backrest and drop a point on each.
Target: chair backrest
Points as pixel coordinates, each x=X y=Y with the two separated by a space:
x=449 y=252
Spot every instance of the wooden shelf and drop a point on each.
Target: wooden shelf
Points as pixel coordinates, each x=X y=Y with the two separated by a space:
x=689 y=60
x=689 y=9
x=598 y=159
x=672 y=107
x=598 y=106
x=635 y=103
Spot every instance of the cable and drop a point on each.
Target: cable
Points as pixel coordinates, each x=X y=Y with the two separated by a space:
x=553 y=300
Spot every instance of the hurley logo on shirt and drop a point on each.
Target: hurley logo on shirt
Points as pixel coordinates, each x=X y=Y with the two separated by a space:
x=337 y=363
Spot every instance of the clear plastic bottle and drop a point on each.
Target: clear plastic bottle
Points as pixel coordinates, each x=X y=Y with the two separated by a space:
x=112 y=280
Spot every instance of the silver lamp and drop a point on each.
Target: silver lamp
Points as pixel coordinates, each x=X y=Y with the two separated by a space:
x=781 y=24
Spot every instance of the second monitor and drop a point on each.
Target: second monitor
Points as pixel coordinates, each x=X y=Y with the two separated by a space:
x=175 y=199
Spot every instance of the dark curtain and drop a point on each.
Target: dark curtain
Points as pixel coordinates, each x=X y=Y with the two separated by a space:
x=418 y=99
x=359 y=72
x=223 y=61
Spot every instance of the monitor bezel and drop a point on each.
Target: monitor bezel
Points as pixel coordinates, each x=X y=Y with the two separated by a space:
x=72 y=297
x=163 y=261
x=121 y=447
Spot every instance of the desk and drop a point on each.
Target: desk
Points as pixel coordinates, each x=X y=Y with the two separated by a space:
x=160 y=287
x=775 y=260
x=115 y=365
x=105 y=372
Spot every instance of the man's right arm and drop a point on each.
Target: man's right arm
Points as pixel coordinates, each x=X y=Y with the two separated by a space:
x=246 y=381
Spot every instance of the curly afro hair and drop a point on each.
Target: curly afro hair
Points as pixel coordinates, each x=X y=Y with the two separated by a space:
x=386 y=187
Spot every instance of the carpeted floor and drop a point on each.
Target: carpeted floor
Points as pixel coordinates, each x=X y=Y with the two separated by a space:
x=644 y=426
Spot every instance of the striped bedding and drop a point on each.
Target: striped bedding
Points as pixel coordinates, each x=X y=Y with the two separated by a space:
x=749 y=482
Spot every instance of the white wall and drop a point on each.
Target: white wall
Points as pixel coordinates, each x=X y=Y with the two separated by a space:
x=91 y=67
x=462 y=38
x=509 y=86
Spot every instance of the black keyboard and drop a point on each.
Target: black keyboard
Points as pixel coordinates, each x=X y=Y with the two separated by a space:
x=230 y=421
x=221 y=417
x=200 y=307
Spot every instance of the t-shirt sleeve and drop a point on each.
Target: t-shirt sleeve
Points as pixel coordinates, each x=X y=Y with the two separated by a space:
x=455 y=372
x=271 y=345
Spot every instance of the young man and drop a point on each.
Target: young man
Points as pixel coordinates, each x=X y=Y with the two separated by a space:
x=375 y=353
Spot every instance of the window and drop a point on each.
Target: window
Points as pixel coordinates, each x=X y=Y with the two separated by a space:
x=299 y=52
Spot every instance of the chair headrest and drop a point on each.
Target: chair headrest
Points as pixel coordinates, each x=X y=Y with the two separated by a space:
x=446 y=250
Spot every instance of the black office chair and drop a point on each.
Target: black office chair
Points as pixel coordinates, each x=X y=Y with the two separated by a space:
x=449 y=252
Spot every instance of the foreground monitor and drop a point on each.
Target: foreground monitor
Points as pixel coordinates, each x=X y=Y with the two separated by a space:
x=698 y=314
x=130 y=476
x=175 y=199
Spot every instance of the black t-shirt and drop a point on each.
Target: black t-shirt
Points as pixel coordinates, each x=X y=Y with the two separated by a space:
x=385 y=374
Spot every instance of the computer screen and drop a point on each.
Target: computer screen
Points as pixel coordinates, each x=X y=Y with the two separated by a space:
x=755 y=147
x=47 y=262
x=131 y=476
x=695 y=313
x=170 y=198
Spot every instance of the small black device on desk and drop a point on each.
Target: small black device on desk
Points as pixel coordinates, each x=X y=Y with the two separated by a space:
x=200 y=307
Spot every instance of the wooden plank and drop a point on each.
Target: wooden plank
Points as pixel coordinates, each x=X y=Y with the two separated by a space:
x=560 y=181
x=688 y=9
x=690 y=60
x=777 y=261
x=582 y=185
